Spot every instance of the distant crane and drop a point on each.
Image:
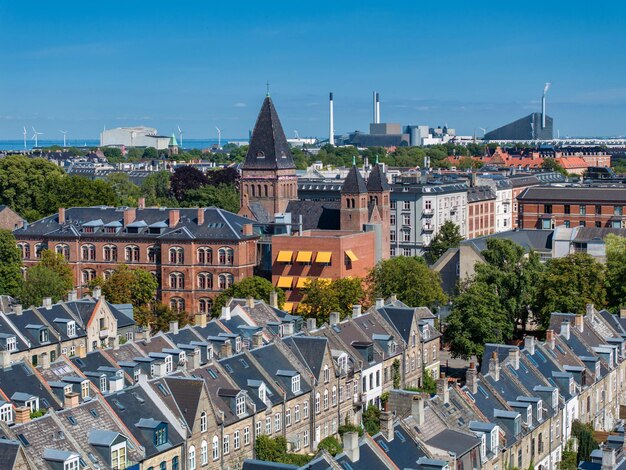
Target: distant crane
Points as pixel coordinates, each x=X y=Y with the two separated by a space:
x=180 y=137
x=35 y=136
x=64 y=135
x=25 y=134
x=219 y=137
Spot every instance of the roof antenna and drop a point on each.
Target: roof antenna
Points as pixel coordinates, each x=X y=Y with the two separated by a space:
x=267 y=86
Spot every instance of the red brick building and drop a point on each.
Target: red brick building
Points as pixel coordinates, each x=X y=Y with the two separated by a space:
x=481 y=211
x=545 y=207
x=194 y=253
x=9 y=219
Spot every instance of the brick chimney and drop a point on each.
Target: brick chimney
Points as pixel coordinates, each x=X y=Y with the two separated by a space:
x=257 y=339
x=141 y=203
x=274 y=299
x=334 y=318
x=351 y=446
x=442 y=387
x=200 y=216
x=417 y=410
x=250 y=302
x=622 y=312
x=386 y=425
x=248 y=229
x=200 y=320
x=529 y=344
x=550 y=338
x=514 y=356
x=61 y=215
x=130 y=214
x=494 y=366
x=22 y=414
x=71 y=400
x=45 y=361
x=579 y=323
x=174 y=217
x=471 y=378
x=226 y=350
x=311 y=324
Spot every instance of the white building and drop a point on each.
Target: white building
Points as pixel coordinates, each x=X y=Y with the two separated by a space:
x=139 y=136
x=504 y=199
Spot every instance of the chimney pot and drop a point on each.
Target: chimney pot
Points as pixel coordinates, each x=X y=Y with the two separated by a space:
x=333 y=319
x=200 y=216
x=173 y=327
x=141 y=203
x=17 y=309
x=200 y=320
x=61 y=215
x=130 y=214
x=274 y=299
x=225 y=313
x=174 y=217
x=356 y=311
x=311 y=324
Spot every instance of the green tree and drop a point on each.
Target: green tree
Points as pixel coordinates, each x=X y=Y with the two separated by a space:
x=321 y=297
x=477 y=318
x=583 y=432
x=331 y=444
x=42 y=281
x=615 y=271
x=274 y=449
x=10 y=265
x=74 y=191
x=371 y=420
x=113 y=154
x=449 y=236
x=156 y=189
x=150 y=153
x=158 y=316
x=128 y=286
x=255 y=287
x=409 y=278
x=397 y=377
x=57 y=263
x=550 y=164
x=222 y=196
x=127 y=192
x=569 y=284
x=569 y=459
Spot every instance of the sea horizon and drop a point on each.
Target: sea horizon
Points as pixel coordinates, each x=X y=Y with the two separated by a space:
x=188 y=144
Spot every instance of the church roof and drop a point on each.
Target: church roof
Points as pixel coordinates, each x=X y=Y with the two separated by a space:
x=377 y=180
x=173 y=142
x=268 y=149
x=354 y=182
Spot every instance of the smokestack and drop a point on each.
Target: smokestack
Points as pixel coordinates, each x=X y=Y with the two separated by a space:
x=374 y=107
x=331 y=131
x=543 y=105
x=377 y=108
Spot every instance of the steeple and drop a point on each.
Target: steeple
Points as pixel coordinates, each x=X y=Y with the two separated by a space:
x=354 y=182
x=268 y=149
x=377 y=182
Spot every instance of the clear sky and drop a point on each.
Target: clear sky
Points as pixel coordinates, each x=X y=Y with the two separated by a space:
x=82 y=65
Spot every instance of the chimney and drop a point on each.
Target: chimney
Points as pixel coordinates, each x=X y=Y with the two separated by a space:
x=173 y=327
x=257 y=339
x=417 y=409
x=579 y=323
x=356 y=311
x=393 y=298
x=72 y=296
x=351 y=446
x=608 y=458
x=311 y=324
x=47 y=303
x=116 y=343
x=471 y=378
x=61 y=215
x=45 y=361
x=529 y=344
x=380 y=303
x=494 y=366
x=141 y=203
x=589 y=310
x=374 y=108
x=200 y=320
x=442 y=387
x=550 y=338
x=5 y=358
x=250 y=302
x=565 y=329
x=96 y=293
x=225 y=314
x=226 y=350
x=274 y=299
x=130 y=214
x=81 y=350
x=377 y=108
x=200 y=216
x=193 y=360
x=248 y=230
x=22 y=414
x=17 y=309
x=147 y=334
x=622 y=312
x=514 y=356
x=174 y=217
x=71 y=400
x=331 y=130
x=333 y=319
x=386 y=425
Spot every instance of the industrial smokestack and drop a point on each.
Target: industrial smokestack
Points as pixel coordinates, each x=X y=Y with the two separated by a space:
x=374 y=107
x=331 y=133
x=543 y=105
x=377 y=108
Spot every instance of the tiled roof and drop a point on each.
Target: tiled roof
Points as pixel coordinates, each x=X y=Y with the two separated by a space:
x=377 y=180
x=354 y=182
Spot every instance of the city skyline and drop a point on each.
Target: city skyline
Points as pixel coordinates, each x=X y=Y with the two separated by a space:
x=207 y=66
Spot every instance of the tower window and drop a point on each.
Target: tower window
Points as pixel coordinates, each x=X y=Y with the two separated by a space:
x=260 y=155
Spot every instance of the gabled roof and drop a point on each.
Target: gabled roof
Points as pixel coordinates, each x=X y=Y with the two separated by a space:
x=268 y=149
x=377 y=181
x=9 y=449
x=311 y=349
x=187 y=394
x=354 y=182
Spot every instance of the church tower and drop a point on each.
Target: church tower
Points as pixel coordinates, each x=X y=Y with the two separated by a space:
x=268 y=176
x=354 y=201
x=379 y=196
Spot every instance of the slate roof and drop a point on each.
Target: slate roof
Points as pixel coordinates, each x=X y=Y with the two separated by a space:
x=322 y=215
x=400 y=318
x=276 y=364
x=454 y=441
x=537 y=240
x=354 y=182
x=310 y=349
x=9 y=449
x=377 y=181
x=186 y=392
x=587 y=194
x=403 y=450
x=21 y=378
x=252 y=464
x=268 y=142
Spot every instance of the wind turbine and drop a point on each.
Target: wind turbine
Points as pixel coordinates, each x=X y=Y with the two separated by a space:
x=64 y=134
x=219 y=137
x=180 y=137
x=25 y=134
x=484 y=131
x=35 y=136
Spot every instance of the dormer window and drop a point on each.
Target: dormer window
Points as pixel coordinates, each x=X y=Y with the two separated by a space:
x=12 y=343
x=260 y=155
x=6 y=413
x=71 y=328
x=43 y=335
x=295 y=384
x=182 y=357
x=84 y=389
x=262 y=394
x=209 y=353
x=73 y=463
x=494 y=440
x=240 y=405
x=168 y=364
x=136 y=374
x=555 y=398
x=238 y=344
x=539 y=411
x=529 y=416
x=118 y=455
x=103 y=384
x=32 y=403
x=160 y=435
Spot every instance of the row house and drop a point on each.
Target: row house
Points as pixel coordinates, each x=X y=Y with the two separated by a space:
x=194 y=253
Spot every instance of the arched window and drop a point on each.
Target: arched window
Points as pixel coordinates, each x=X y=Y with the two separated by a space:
x=178 y=304
x=204 y=305
x=334 y=396
x=205 y=255
x=226 y=256
x=192 y=458
x=63 y=249
x=265 y=190
x=177 y=255
x=177 y=280
x=253 y=190
x=131 y=253
x=88 y=252
x=39 y=247
x=203 y=422
x=326 y=399
x=107 y=274
x=205 y=281
x=88 y=275
x=225 y=281
x=326 y=374
x=24 y=249
x=153 y=254
x=216 y=448
x=204 y=452
x=317 y=402
x=110 y=253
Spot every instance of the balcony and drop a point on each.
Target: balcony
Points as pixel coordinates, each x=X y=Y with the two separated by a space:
x=427 y=213
x=104 y=333
x=428 y=229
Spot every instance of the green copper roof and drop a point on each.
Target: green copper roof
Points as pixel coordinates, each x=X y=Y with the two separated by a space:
x=173 y=142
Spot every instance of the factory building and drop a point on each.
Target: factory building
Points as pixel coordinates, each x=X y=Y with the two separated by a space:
x=139 y=136
x=526 y=128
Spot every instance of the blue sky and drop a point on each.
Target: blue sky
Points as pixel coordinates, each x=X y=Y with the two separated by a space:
x=200 y=64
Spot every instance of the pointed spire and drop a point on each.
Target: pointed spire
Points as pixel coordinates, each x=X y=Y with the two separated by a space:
x=354 y=182
x=376 y=159
x=377 y=180
x=353 y=160
x=268 y=148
